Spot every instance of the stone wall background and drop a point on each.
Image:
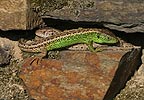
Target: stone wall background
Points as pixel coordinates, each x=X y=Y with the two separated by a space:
x=17 y=15
x=127 y=16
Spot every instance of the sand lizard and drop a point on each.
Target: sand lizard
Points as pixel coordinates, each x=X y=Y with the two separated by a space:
x=70 y=37
x=47 y=32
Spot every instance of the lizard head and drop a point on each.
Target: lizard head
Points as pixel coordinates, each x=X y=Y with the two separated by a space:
x=105 y=37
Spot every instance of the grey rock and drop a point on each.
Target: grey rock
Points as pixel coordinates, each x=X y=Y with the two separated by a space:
x=134 y=89
x=128 y=28
x=5 y=56
x=142 y=56
x=129 y=62
x=124 y=15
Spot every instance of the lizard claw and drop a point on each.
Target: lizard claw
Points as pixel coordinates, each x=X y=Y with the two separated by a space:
x=36 y=60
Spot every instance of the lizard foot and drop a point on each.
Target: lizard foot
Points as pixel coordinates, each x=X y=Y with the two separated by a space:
x=53 y=54
x=36 y=61
x=98 y=49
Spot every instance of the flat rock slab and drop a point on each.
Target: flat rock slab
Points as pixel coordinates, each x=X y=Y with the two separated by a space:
x=79 y=75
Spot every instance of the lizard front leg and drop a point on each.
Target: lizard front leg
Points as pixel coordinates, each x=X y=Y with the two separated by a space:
x=92 y=49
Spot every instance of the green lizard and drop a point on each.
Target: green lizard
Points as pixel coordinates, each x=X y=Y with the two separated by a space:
x=47 y=32
x=70 y=37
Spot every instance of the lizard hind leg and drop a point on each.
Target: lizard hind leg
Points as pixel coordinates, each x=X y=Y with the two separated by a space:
x=53 y=54
x=37 y=59
x=50 y=54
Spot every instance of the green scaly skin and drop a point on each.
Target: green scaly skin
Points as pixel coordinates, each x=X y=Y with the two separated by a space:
x=86 y=38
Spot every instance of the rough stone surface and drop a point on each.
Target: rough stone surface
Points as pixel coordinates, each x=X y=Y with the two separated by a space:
x=5 y=56
x=11 y=86
x=11 y=49
x=124 y=15
x=130 y=63
x=134 y=89
x=76 y=75
x=16 y=14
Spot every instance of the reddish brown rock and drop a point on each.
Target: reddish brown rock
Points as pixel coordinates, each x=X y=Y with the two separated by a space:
x=76 y=75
